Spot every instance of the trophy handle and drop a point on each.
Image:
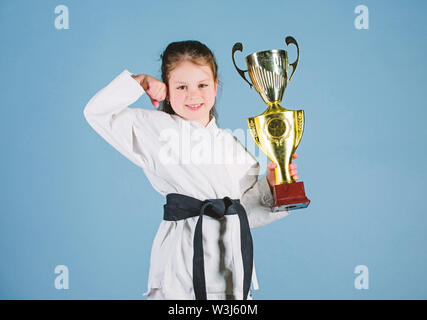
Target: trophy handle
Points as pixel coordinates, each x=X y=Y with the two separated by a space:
x=291 y=40
x=239 y=47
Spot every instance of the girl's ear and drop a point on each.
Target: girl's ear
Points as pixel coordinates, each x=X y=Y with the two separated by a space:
x=216 y=86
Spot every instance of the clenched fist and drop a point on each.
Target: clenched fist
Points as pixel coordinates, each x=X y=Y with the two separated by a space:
x=154 y=88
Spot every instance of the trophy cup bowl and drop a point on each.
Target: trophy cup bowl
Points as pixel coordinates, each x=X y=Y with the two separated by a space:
x=277 y=131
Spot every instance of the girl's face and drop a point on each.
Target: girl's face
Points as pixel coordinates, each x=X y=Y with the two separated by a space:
x=192 y=91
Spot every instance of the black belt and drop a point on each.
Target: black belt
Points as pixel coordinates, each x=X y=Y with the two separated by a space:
x=179 y=207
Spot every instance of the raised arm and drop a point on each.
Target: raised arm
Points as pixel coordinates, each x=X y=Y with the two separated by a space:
x=108 y=114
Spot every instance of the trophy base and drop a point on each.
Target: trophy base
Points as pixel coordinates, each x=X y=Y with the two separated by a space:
x=290 y=196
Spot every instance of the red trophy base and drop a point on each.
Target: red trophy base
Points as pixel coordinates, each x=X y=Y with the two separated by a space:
x=290 y=196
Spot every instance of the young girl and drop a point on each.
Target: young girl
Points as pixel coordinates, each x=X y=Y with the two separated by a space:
x=203 y=247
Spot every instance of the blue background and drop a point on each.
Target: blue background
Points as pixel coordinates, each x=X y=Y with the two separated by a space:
x=68 y=198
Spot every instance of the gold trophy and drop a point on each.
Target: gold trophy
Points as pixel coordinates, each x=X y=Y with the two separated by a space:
x=277 y=131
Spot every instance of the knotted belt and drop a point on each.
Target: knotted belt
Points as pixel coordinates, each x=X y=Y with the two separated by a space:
x=179 y=207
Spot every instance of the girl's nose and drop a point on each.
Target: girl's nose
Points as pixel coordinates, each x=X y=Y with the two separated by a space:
x=193 y=92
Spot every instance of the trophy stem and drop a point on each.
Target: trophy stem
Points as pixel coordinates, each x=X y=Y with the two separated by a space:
x=274 y=107
x=283 y=176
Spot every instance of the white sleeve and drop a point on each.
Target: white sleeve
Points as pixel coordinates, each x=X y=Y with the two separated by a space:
x=108 y=114
x=258 y=199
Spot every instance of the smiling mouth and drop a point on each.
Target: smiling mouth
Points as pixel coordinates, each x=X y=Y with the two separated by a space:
x=194 y=106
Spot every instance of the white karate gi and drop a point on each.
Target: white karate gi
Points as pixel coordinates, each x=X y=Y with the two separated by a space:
x=147 y=138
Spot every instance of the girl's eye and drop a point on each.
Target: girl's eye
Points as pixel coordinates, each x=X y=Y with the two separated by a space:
x=203 y=85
